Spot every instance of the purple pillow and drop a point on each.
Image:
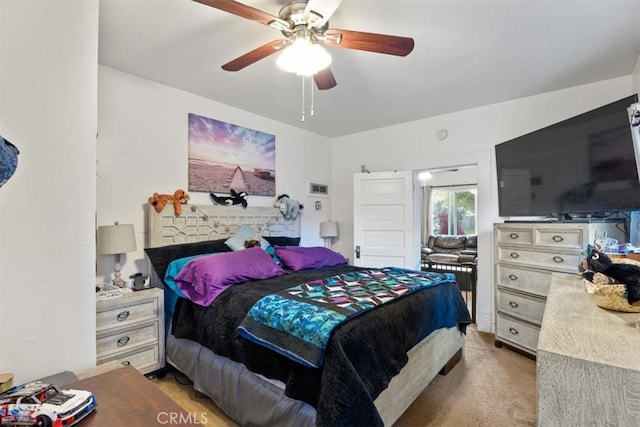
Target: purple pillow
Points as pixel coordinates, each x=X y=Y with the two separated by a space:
x=203 y=279
x=299 y=257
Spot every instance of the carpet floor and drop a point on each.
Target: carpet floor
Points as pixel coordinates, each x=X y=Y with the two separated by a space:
x=490 y=387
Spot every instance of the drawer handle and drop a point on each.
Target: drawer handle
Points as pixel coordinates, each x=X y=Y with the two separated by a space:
x=125 y=363
x=513 y=236
x=514 y=331
x=123 y=341
x=558 y=259
x=557 y=238
x=513 y=304
x=514 y=255
x=123 y=315
x=513 y=277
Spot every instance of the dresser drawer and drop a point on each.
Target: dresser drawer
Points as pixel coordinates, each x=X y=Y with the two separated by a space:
x=524 y=280
x=521 y=306
x=141 y=359
x=561 y=262
x=128 y=338
x=126 y=314
x=567 y=239
x=515 y=236
x=518 y=333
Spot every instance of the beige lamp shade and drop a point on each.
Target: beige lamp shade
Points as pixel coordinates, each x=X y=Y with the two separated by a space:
x=116 y=239
x=328 y=229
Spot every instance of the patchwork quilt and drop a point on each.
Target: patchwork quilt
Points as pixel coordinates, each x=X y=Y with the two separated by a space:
x=362 y=354
x=298 y=321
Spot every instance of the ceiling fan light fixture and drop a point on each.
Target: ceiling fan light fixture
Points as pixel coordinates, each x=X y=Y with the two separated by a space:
x=333 y=38
x=304 y=57
x=280 y=25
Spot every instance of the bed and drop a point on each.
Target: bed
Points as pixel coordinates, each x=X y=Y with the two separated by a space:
x=361 y=380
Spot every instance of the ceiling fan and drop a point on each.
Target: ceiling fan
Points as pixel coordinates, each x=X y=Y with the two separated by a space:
x=309 y=21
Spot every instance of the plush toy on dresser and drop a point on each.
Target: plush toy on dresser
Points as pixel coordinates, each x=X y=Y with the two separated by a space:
x=626 y=273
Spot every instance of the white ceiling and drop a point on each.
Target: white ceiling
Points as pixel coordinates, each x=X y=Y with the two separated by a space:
x=467 y=53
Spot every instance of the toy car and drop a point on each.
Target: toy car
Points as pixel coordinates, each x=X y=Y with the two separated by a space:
x=43 y=404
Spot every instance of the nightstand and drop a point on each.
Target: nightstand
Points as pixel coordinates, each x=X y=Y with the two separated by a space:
x=130 y=330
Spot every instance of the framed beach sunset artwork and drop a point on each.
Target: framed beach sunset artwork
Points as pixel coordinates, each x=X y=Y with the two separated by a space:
x=225 y=157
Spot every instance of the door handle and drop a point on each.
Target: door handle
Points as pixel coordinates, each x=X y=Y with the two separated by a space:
x=358 y=252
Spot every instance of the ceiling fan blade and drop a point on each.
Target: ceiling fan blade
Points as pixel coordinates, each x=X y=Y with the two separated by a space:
x=241 y=10
x=380 y=43
x=254 y=56
x=324 y=79
x=322 y=8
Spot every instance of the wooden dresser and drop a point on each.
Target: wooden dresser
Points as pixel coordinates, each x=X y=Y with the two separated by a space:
x=588 y=363
x=130 y=330
x=526 y=255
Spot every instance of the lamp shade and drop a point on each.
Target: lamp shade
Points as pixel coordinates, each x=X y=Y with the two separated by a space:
x=328 y=229
x=116 y=239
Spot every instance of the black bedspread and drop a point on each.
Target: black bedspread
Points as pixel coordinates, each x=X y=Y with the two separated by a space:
x=361 y=358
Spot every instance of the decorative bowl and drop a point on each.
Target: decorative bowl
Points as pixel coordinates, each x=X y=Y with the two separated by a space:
x=611 y=297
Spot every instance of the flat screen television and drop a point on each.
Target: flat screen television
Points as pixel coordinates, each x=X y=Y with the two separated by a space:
x=584 y=166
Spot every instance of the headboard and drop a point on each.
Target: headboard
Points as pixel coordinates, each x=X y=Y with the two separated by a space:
x=197 y=223
x=201 y=223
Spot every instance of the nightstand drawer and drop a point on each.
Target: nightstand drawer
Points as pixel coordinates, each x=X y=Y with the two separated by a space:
x=140 y=359
x=130 y=329
x=521 y=306
x=126 y=314
x=128 y=338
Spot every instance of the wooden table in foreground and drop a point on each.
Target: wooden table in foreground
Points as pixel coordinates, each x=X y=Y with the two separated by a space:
x=588 y=369
x=127 y=398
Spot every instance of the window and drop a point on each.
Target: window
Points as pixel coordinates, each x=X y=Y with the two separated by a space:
x=453 y=210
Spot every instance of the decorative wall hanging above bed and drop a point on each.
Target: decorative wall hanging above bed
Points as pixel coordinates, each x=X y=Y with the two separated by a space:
x=223 y=156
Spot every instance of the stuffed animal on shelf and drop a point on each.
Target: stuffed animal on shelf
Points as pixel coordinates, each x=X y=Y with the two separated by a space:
x=235 y=198
x=290 y=208
x=179 y=198
x=624 y=273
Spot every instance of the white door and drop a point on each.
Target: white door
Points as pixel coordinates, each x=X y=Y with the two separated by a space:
x=384 y=233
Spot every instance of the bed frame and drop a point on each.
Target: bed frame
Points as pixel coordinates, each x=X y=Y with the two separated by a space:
x=437 y=353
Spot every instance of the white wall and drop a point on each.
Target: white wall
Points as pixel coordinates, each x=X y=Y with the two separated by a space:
x=636 y=77
x=143 y=148
x=48 y=102
x=472 y=136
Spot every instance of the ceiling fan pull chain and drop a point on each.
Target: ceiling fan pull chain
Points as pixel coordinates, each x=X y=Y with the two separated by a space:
x=311 y=89
x=303 y=98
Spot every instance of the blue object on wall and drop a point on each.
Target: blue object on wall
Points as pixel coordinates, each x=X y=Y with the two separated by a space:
x=8 y=160
x=634 y=227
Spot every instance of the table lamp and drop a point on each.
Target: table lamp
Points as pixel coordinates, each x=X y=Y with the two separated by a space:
x=116 y=240
x=328 y=230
